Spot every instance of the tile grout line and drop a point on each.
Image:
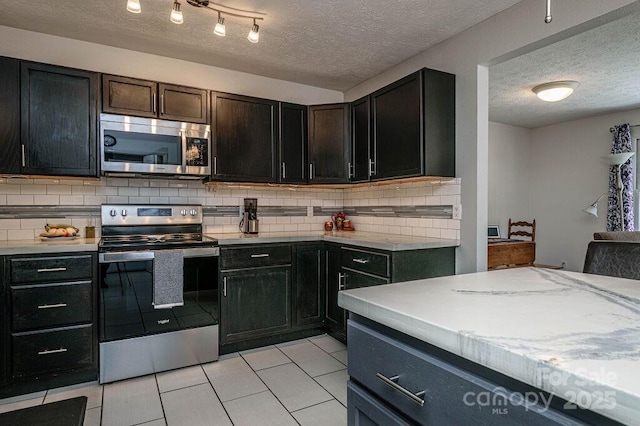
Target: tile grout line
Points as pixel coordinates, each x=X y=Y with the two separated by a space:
x=216 y=394
x=164 y=415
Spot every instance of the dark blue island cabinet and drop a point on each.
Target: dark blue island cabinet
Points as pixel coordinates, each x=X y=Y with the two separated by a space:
x=396 y=379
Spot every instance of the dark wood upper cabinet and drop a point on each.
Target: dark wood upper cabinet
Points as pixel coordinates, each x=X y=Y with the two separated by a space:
x=10 y=159
x=397 y=112
x=361 y=140
x=244 y=138
x=142 y=98
x=440 y=123
x=181 y=103
x=293 y=143
x=58 y=120
x=329 y=143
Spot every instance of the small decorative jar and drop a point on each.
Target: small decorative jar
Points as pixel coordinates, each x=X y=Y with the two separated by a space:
x=328 y=226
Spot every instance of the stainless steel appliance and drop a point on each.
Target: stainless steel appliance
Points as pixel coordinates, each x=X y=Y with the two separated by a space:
x=146 y=146
x=135 y=338
x=249 y=222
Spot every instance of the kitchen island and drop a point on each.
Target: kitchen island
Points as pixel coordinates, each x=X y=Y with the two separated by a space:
x=573 y=335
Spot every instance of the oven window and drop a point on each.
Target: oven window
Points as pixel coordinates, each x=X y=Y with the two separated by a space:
x=126 y=299
x=131 y=147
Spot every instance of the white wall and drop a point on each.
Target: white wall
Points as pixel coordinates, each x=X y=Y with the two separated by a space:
x=510 y=33
x=49 y=49
x=568 y=174
x=509 y=175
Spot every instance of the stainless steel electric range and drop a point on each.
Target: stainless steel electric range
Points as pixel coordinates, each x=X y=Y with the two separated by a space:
x=135 y=337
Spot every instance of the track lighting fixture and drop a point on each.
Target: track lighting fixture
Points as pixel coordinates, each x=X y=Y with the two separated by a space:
x=220 y=28
x=548 y=18
x=254 y=36
x=176 y=16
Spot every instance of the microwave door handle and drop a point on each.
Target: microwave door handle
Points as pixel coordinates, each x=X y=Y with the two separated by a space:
x=183 y=142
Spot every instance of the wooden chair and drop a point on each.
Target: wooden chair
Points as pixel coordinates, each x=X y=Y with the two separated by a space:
x=522 y=233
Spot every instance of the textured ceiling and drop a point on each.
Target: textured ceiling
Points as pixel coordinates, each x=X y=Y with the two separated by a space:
x=605 y=61
x=334 y=44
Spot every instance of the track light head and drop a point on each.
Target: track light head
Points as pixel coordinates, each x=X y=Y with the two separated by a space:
x=254 y=35
x=220 y=29
x=133 y=6
x=176 y=14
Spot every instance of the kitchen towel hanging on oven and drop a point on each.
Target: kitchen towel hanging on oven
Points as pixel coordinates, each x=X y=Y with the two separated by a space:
x=167 y=279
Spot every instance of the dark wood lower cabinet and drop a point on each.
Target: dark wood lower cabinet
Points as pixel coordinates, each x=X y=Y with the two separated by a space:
x=349 y=267
x=309 y=294
x=255 y=303
x=48 y=324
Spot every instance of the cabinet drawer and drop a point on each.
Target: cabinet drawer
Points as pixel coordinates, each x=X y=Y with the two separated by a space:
x=50 y=269
x=51 y=305
x=353 y=279
x=366 y=261
x=256 y=256
x=51 y=351
x=402 y=377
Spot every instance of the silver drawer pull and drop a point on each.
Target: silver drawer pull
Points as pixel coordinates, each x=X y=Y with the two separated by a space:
x=57 y=305
x=55 y=351
x=163 y=322
x=260 y=255
x=363 y=261
x=52 y=270
x=391 y=381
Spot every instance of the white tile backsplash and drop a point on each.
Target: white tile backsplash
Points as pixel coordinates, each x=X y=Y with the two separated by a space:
x=21 y=192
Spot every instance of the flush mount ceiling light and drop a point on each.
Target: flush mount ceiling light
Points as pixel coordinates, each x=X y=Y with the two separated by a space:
x=176 y=16
x=555 y=91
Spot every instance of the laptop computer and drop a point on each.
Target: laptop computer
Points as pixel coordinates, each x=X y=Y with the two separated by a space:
x=493 y=231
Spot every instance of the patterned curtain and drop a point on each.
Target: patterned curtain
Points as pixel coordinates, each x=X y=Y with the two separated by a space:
x=621 y=143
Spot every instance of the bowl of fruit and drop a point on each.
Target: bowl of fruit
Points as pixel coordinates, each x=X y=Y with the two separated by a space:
x=59 y=231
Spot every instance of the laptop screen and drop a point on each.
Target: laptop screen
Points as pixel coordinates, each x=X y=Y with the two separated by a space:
x=493 y=231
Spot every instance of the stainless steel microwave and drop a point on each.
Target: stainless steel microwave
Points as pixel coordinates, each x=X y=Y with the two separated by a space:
x=132 y=146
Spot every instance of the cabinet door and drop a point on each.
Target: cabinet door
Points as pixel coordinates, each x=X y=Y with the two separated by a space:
x=181 y=103
x=122 y=95
x=398 y=129
x=59 y=116
x=334 y=315
x=293 y=143
x=440 y=123
x=308 y=306
x=244 y=138
x=4 y=327
x=255 y=303
x=360 y=154
x=11 y=158
x=329 y=143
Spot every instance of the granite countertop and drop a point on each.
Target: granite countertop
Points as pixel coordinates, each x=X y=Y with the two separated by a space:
x=574 y=335
x=373 y=240
x=48 y=246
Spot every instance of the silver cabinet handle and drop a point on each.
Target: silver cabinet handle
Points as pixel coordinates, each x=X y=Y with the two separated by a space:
x=372 y=170
x=310 y=171
x=52 y=270
x=215 y=165
x=351 y=173
x=161 y=104
x=57 y=305
x=163 y=322
x=24 y=160
x=341 y=285
x=224 y=286
x=391 y=381
x=260 y=255
x=55 y=351
x=284 y=170
x=153 y=101
x=362 y=261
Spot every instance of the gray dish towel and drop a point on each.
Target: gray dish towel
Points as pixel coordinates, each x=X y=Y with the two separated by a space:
x=167 y=279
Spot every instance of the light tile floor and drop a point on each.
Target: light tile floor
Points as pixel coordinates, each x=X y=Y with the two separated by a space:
x=295 y=383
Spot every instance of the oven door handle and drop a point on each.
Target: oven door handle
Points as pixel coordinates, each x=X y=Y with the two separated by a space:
x=125 y=256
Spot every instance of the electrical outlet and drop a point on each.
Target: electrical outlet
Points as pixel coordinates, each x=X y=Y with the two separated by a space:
x=457 y=212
